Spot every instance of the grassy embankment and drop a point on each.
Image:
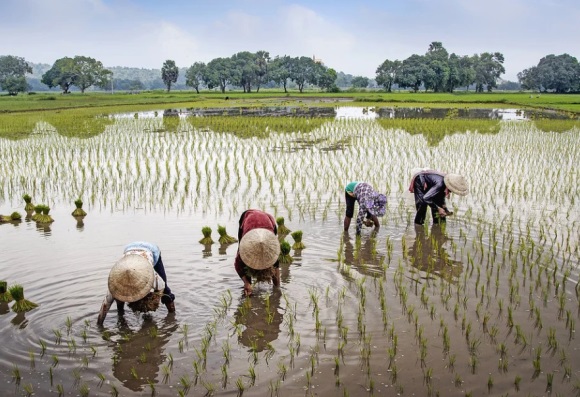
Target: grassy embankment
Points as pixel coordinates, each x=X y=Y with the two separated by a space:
x=19 y=115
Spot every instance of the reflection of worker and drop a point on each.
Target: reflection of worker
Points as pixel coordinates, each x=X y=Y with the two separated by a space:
x=428 y=253
x=261 y=317
x=430 y=189
x=132 y=280
x=371 y=205
x=258 y=250
x=138 y=355
x=363 y=258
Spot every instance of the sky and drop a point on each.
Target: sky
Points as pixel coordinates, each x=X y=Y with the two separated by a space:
x=353 y=37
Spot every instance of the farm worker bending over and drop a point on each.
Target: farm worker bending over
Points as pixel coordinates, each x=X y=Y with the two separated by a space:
x=430 y=188
x=258 y=250
x=371 y=205
x=133 y=280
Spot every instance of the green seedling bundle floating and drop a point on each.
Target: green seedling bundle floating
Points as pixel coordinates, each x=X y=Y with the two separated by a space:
x=42 y=217
x=28 y=207
x=20 y=304
x=224 y=237
x=297 y=236
x=282 y=229
x=285 y=253
x=78 y=211
x=5 y=295
x=206 y=240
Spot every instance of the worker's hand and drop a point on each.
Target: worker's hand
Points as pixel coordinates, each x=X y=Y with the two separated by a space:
x=368 y=222
x=247 y=289
x=442 y=212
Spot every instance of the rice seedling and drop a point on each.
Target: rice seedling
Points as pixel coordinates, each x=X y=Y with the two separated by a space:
x=206 y=240
x=240 y=386
x=20 y=304
x=16 y=376
x=5 y=295
x=224 y=237
x=28 y=207
x=285 y=257
x=298 y=244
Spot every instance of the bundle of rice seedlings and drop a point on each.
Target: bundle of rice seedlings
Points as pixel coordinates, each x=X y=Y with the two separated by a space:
x=28 y=200
x=20 y=304
x=261 y=276
x=206 y=230
x=14 y=217
x=79 y=208
x=285 y=252
x=149 y=303
x=282 y=229
x=37 y=212
x=5 y=295
x=224 y=238
x=297 y=236
x=44 y=217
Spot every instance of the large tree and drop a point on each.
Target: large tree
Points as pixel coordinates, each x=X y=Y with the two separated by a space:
x=194 y=75
x=411 y=72
x=387 y=74
x=281 y=70
x=488 y=68
x=169 y=73
x=218 y=73
x=89 y=72
x=436 y=71
x=325 y=78
x=303 y=71
x=12 y=74
x=80 y=71
x=559 y=73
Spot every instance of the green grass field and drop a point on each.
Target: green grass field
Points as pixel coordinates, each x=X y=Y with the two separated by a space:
x=160 y=100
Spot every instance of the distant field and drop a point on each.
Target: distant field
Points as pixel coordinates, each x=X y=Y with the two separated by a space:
x=161 y=99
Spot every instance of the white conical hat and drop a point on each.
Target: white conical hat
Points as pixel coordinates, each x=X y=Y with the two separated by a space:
x=456 y=184
x=259 y=248
x=131 y=278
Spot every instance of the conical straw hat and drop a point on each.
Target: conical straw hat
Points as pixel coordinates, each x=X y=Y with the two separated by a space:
x=259 y=248
x=456 y=184
x=131 y=278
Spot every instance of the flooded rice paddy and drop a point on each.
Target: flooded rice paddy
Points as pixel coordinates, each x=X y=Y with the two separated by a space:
x=486 y=305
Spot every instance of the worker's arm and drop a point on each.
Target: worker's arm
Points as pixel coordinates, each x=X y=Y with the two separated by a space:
x=105 y=306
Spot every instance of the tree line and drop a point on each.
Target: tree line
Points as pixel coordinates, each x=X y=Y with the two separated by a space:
x=436 y=71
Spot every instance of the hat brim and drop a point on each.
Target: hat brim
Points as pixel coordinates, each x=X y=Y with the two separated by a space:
x=259 y=248
x=131 y=278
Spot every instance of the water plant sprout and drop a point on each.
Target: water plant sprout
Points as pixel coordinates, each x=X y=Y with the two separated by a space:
x=5 y=295
x=20 y=304
x=285 y=257
x=282 y=229
x=206 y=240
x=298 y=244
x=224 y=237
x=78 y=211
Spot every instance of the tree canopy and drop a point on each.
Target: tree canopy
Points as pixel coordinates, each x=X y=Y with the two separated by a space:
x=169 y=73
x=440 y=71
x=13 y=72
x=558 y=73
x=80 y=71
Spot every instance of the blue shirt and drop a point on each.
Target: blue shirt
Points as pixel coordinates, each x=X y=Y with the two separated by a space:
x=145 y=246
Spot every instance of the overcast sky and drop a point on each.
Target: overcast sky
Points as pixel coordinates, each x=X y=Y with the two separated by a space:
x=354 y=37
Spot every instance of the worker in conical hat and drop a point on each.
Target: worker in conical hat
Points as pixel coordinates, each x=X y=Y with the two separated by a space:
x=139 y=279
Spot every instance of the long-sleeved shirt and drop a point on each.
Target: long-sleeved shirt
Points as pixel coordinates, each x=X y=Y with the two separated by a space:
x=249 y=220
x=429 y=188
x=368 y=201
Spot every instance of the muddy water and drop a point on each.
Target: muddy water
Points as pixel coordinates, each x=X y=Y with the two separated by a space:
x=412 y=311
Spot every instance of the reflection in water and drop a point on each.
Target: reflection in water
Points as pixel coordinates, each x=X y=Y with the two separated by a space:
x=138 y=355
x=428 y=254
x=4 y=308
x=261 y=316
x=20 y=320
x=43 y=228
x=363 y=256
x=80 y=223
